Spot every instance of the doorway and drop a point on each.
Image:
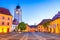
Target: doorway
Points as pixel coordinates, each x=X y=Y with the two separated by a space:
x=7 y=29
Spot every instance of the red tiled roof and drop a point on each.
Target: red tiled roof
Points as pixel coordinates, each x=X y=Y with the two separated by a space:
x=5 y=11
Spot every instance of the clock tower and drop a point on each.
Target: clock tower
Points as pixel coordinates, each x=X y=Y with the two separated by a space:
x=18 y=14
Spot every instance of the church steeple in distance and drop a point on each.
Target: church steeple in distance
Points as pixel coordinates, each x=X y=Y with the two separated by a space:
x=18 y=14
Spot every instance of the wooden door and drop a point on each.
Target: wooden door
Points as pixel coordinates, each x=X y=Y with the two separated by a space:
x=7 y=29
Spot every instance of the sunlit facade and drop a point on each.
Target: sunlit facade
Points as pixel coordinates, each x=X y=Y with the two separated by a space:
x=27 y=28
x=55 y=26
x=40 y=28
x=31 y=28
x=5 y=20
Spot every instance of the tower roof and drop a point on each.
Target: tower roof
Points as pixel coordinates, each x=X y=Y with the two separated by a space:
x=17 y=7
x=15 y=21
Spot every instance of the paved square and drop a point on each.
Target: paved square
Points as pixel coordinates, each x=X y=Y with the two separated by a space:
x=29 y=36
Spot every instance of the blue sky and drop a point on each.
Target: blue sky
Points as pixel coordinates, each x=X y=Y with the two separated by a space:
x=33 y=11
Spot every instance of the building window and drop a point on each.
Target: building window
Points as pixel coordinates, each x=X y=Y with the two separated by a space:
x=3 y=17
x=8 y=23
x=2 y=23
x=8 y=18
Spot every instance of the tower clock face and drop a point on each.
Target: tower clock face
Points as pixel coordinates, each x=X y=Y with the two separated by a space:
x=17 y=12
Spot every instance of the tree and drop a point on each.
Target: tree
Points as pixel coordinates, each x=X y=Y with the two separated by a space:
x=46 y=24
x=22 y=26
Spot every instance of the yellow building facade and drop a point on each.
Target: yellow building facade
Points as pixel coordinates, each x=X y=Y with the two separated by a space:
x=41 y=28
x=5 y=21
x=55 y=26
x=30 y=29
x=27 y=28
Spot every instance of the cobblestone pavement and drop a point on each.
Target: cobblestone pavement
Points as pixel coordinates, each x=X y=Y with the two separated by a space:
x=29 y=36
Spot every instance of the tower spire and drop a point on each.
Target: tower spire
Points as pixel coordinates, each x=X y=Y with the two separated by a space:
x=18 y=13
x=18 y=6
